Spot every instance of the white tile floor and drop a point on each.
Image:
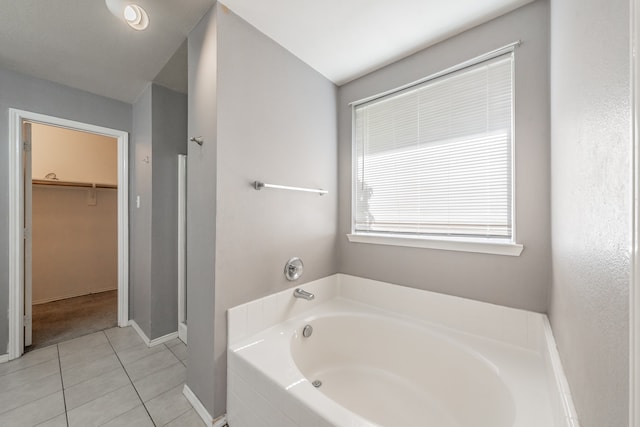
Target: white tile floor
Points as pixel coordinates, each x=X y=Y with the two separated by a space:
x=108 y=378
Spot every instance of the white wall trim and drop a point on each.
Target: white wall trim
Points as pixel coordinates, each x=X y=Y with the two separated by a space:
x=201 y=410
x=220 y=421
x=140 y=332
x=163 y=339
x=16 y=243
x=123 y=229
x=634 y=288
x=182 y=332
x=483 y=247
x=16 y=221
x=152 y=342
x=561 y=385
x=4 y=358
x=182 y=244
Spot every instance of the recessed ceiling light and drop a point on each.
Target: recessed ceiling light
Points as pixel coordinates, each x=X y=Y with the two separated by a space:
x=136 y=17
x=133 y=14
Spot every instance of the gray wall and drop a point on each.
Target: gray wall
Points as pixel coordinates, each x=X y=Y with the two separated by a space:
x=201 y=207
x=160 y=134
x=279 y=126
x=276 y=121
x=140 y=177
x=521 y=282
x=169 y=140
x=591 y=203
x=40 y=96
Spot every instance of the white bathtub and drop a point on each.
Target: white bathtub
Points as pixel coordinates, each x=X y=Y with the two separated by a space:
x=391 y=356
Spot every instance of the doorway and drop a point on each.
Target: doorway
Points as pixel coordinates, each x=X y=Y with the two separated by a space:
x=55 y=187
x=73 y=233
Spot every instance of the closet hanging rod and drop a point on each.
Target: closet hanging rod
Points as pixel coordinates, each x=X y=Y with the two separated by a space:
x=71 y=184
x=259 y=185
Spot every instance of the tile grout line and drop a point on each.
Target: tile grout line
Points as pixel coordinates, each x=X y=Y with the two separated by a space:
x=176 y=345
x=119 y=415
x=2 y=412
x=85 y=363
x=59 y=373
x=92 y=378
x=57 y=355
x=27 y=367
x=172 y=352
x=151 y=355
x=181 y=414
x=30 y=402
x=37 y=400
x=64 y=398
x=181 y=362
x=130 y=381
x=145 y=357
x=98 y=396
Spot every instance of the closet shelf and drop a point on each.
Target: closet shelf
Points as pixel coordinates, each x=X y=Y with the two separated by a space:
x=71 y=184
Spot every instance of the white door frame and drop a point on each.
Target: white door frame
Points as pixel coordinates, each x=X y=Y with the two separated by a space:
x=27 y=217
x=634 y=291
x=182 y=245
x=16 y=221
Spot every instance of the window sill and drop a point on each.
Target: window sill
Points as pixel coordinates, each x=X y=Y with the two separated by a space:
x=477 y=246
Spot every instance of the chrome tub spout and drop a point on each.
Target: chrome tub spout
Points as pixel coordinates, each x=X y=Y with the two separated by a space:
x=301 y=293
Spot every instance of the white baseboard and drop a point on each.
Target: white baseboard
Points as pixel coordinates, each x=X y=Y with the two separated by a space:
x=154 y=342
x=4 y=358
x=137 y=328
x=220 y=422
x=182 y=332
x=72 y=295
x=201 y=410
x=163 y=339
x=561 y=393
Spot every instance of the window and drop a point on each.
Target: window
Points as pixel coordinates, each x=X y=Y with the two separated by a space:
x=434 y=160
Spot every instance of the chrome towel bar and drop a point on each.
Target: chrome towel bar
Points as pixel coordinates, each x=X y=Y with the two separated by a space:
x=259 y=185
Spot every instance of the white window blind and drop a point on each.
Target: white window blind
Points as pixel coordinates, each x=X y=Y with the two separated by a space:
x=435 y=159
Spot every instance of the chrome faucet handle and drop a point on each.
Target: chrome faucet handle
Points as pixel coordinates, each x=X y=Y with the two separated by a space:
x=293 y=269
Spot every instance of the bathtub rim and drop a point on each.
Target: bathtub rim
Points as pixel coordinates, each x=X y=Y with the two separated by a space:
x=534 y=333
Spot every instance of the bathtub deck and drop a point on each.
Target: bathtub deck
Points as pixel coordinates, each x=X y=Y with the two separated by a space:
x=514 y=348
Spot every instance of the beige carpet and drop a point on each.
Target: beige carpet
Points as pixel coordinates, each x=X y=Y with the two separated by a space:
x=58 y=321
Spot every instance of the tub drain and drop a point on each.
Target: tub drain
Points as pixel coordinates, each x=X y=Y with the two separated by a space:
x=316 y=383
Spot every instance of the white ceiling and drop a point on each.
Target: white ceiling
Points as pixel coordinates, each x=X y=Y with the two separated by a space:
x=345 y=39
x=80 y=44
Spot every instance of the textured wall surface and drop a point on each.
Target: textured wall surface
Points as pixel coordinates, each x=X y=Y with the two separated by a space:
x=276 y=125
x=40 y=96
x=140 y=217
x=591 y=199
x=75 y=245
x=73 y=155
x=169 y=139
x=201 y=207
x=160 y=134
x=521 y=282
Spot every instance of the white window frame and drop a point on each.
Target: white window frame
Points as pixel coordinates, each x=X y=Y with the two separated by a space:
x=462 y=244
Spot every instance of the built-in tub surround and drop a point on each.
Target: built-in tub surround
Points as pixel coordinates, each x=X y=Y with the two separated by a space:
x=388 y=355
